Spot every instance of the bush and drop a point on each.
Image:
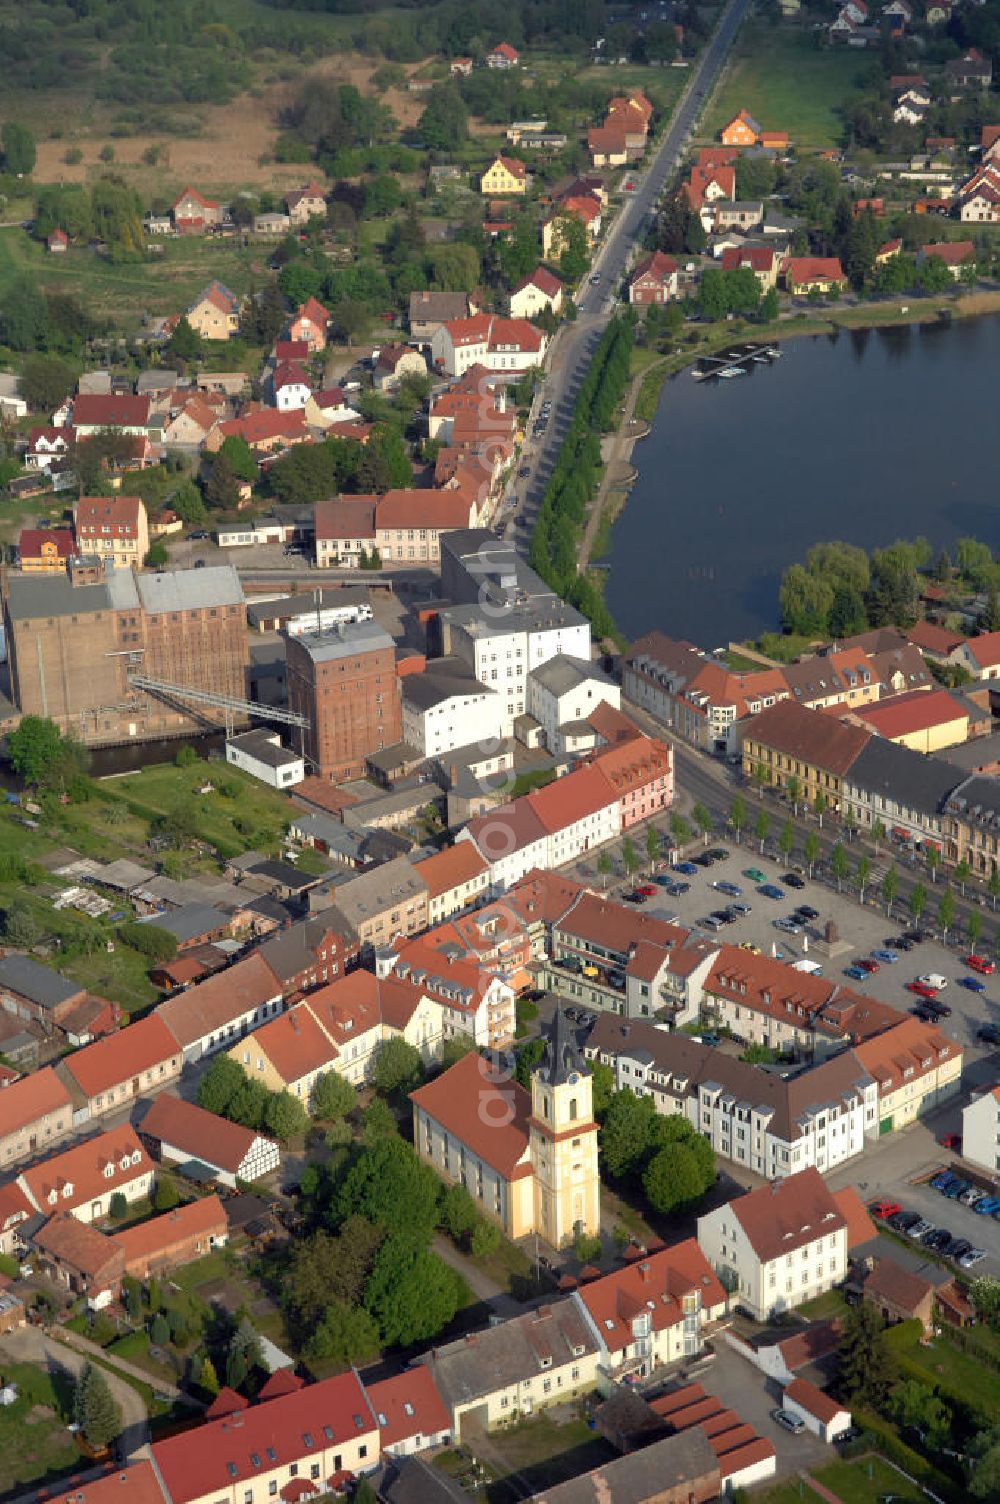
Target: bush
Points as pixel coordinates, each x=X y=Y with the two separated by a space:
x=149 y=940
x=72 y=156
x=118 y=1207
x=166 y=1196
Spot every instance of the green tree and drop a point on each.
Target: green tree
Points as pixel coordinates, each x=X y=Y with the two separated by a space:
x=603 y=1078
x=917 y=902
x=630 y=858
x=680 y=829
x=983 y=1464
x=117 y=1207
x=444 y=123
x=166 y=1196
x=805 y=600
x=890 y=887
x=285 y=1117
x=627 y=1134
x=676 y=1176
x=820 y=806
x=458 y=1213
x=188 y=502
x=389 y=1186
x=786 y=840
x=159 y=1330
x=574 y=249
x=811 y=850
x=878 y=834
x=946 y=911
x=962 y=874
x=378 y=1121
x=184 y=343
x=839 y=864
x=20 y=926
x=993 y=883
x=95 y=1409
x=18 y=149
x=243 y=1354
x=652 y=845
x=974 y=927
x=34 y=748
x=864 y=874
x=485 y=1240
x=866 y=1368
x=703 y=820
x=333 y=1097
x=398 y=1068
x=150 y=940
x=46 y=381
x=932 y=858
x=738 y=817
x=586 y=1248
x=793 y=788
x=762 y=827
x=219 y=1085
x=412 y=1294
x=604 y=867
x=240 y=457
x=345 y=1334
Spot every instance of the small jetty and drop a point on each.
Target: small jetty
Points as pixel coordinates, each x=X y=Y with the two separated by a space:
x=736 y=362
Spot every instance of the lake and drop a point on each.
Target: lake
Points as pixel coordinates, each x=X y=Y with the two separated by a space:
x=867 y=436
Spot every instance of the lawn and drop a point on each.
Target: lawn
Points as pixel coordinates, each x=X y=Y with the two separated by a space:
x=239 y=813
x=830 y=1303
x=34 y=1442
x=787 y=83
x=543 y=1453
x=864 y=1481
x=960 y=1373
x=788 y=1493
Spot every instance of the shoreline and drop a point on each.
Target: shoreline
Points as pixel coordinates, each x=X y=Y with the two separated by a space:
x=649 y=383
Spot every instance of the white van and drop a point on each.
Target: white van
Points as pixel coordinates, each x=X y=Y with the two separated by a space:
x=812 y=968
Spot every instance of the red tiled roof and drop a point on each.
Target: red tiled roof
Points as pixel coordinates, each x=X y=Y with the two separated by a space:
x=546 y=282
x=910 y=1048
x=759 y=258
x=488 y=1115
x=314 y=311
x=903 y=715
x=29 y=544
x=785 y=1215
x=227 y=1402
x=93 y=410
x=746 y=1456
x=507 y=829
x=147 y=1241
x=217 y=1457
x=282 y=1381
x=78 y=1175
x=951 y=252
x=120 y=513
x=294 y=1043
x=657 y=267
x=568 y=800
x=985 y=649
x=860 y=1228
x=191 y=1130
x=452 y=867
x=441 y=509
x=267 y=423
x=801 y=269
x=506 y=50
x=928 y=636
x=819 y=1339
x=408 y=1405
x=808 y=735
x=32 y=1098
x=662 y=1278
x=513 y=165
x=210 y=1005
x=814 y=1400
x=345 y=517
x=130 y=1052
x=135 y=1484
x=206 y=203
x=289 y=373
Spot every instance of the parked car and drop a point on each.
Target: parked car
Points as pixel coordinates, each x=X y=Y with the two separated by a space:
x=770 y=890
x=951 y=1141
x=937 y=1238
x=972 y=984
x=982 y=964
x=989 y=1033
x=903 y=1221
x=634 y=897
x=733 y=889
x=790 y=1422
x=754 y=874
x=915 y=937
x=971 y=1257
x=718 y=853
x=884 y=1209
x=688 y=868
x=645 y=888
x=888 y=956
x=956 y=1248
x=868 y=963
x=942 y=1180
x=788 y=926
x=793 y=880
x=856 y=973
x=934 y=979
x=742 y=909
x=919 y=1229
x=921 y=989
x=807 y=912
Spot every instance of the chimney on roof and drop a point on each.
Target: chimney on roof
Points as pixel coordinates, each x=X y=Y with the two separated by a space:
x=645 y=1273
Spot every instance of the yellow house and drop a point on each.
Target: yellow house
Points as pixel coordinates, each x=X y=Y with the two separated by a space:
x=215 y=313
x=504 y=176
x=289 y=1053
x=528 y=1160
x=790 y=745
x=915 y=1067
x=924 y=720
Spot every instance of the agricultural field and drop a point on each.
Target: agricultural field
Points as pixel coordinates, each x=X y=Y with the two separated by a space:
x=788 y=83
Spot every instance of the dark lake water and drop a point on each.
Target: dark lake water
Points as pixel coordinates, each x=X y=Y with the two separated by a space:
x=867 y=436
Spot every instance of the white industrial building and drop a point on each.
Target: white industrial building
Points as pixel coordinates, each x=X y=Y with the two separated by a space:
x=261 y=754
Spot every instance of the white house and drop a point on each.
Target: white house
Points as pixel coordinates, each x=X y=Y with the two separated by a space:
x=182 y=1133
x=261 y=754
x=83 y=1179
x=778 y=1246
x=290 y=385
x=503 y=646
x=981 y=1130
x=12 y=404
x=562 y=693
x=507 y=347
x=540 y=289
x=216 y=1012
x=446 y=707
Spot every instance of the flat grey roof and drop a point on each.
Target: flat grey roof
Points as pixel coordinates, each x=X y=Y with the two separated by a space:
x=442 y=680
x=342 y=640
x=190 y=589
x=33 y=596
x=259 y=744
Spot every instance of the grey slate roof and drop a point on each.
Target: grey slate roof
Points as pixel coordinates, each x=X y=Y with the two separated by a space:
x=295 y=949
x=259 y=744
x=977 y=800
x=442 y=680
x=970 y=756
x=190 y=589
x=564 y=672
x=662 y=1470
x=502 y=1355
x=342 y=640
x=32 y=596
x=190 y=921
x=910 y=779
x=39 y=984
x=368 y=894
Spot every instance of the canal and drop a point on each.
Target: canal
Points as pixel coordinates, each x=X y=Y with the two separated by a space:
x=866 y=435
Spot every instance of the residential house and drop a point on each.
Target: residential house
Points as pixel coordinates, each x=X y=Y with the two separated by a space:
x=395 y=363
x=388 y=901
x=539 y=290
x=409 y=524
x=35 y=1112
x=582 y=207
x=80 y=1259
x=923 y=720
x=47 y=446
x=912 y=105
x=460 y=67
x=138 y=1478
x=902 y=789
x=472 y=999
x=654 y=280
x=561 y=695
x=899 y=1294
x=290 y=386
x=83 y=1179
x=162 y=1244
x=820 y=1414
x=640 y=770
x=763 y=260
x=970 y=71
x=215 y=312
x=741 y=215
x=178 y=1132
x=213 y=1013
x=504 y=176
x=361 y=1011
x=652 y=1312
x=57 y=244
x=502 y=56
x=134 y=1062
x=456 y=878
x=411 y=1413
x=310 y=323
x=45 y=550
x=805 y=274
x=529 y=1159
x=789 y=742
x=115 y=528
x=289 y=1053
x=887 y=250
x=769 y=1124
x=504 y=346
x=193 y=213
x=15 y=1212
x=304 y=204
x=981 y=1130
x=742 y=130
x=957 y=255
x=429 y=310
x=607 y=145
x=311 y=953
x=344 y=531
x=36 y=993
x=445 y=707
x=514 y=1368
x=778 y=1246
x=310 y=1439
x=979 y=656
x=936 y=643
x=915 y=1067
x=189 y=425
x=92 y=413
x=265 y=432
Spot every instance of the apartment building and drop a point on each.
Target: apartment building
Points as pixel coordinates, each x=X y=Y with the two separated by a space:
x=383 y=903
x=789 y=742
x=82 y=1180
x=981 y=1130
x=35 y=1111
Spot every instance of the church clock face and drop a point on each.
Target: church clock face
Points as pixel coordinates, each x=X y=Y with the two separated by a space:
x=573 y=1078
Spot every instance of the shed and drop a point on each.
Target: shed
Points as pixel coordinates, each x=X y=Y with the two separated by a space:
x=823 y=1416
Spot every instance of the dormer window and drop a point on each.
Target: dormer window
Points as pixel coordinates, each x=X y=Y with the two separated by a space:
x=124 y=1162
x=545 y=1363
x=109 y=1171
x=136 y=1156
x=52 y=1197
x=67 y=1190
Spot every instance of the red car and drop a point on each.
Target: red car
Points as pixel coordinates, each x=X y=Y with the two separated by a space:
x=646 y=889
x=922 y=989
x=982 y=964
x=883 y=1209
x=868 y=964
x=951 y=1141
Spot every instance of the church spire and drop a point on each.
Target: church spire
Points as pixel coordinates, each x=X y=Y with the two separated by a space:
x=563 y=1056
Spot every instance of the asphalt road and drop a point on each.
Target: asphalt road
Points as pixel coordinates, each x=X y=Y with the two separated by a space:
x=576 y=342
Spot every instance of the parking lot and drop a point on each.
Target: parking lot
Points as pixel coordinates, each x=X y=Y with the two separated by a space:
x=864 y=929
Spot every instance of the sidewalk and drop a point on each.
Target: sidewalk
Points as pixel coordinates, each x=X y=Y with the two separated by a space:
x=122 y=1365
x=484 y=1288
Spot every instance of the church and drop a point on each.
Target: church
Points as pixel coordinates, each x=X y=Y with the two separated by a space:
x=528 y=1159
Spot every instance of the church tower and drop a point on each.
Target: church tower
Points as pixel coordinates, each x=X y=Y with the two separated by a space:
x=564 y=1139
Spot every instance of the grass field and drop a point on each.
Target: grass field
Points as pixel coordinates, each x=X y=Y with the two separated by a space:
x=34 y=1442
x=865 y=1481
x=160 y=285
x=787 y=84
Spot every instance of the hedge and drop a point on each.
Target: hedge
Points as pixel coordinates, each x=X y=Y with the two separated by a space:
x=890 y=1446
